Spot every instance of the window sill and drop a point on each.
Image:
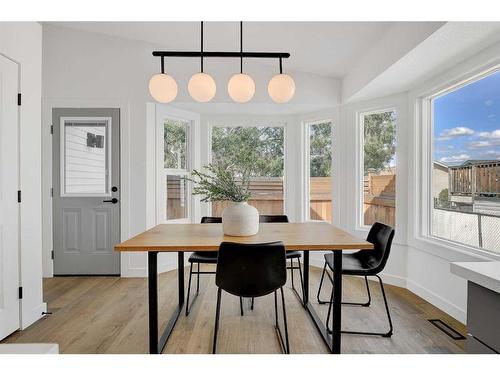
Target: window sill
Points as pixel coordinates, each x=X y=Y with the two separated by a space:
x=450 y=250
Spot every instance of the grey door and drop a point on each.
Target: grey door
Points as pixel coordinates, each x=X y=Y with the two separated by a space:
x=86 y=190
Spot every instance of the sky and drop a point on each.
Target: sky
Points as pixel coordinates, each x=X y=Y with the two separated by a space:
x=467 y=122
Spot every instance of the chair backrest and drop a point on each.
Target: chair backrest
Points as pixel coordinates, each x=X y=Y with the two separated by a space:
x=381 y=236
x=211 y=219
x=273 y=219
x=251 y=270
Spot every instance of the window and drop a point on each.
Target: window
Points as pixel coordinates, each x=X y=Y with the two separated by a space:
x=319 y=186
x=466 y=164
x=378 y=130
x=176 y=165
x=260 y=148
x=85 y=155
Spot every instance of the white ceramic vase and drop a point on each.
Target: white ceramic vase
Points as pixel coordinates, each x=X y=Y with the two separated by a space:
x=240 y=219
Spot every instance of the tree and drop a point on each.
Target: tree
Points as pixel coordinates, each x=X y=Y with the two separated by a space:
x=258 y=150
x=443 y=195
x=320 y=148
x=380 y=141
x=174 y=137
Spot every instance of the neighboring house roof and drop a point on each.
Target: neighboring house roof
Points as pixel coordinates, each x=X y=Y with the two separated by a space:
x=441 y=164
x=475 y=162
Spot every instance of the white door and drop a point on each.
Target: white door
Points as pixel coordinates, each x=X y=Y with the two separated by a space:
x=9 y=206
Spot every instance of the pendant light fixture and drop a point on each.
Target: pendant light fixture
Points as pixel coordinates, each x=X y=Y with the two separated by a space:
x=202 y=86
x=241 y=87
x=163 y=87
x=281 y=87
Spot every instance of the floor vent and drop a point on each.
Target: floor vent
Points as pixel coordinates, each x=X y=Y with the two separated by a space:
x=442 y=326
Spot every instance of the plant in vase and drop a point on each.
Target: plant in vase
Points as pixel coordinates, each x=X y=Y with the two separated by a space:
x=224 y=183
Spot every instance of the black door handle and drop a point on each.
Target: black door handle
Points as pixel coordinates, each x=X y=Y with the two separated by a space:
x=114 y=201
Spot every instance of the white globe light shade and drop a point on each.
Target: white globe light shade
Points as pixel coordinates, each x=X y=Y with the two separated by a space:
x=241 y=88
x=281 y=88
x=202 y=87
x=163 y=88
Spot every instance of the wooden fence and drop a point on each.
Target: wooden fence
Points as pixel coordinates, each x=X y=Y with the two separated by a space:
x=475 y=179
x=379 y=198
x=267 y=197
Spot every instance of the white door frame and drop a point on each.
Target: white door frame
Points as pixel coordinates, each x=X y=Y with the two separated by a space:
x=47 y=105
x=18 y=172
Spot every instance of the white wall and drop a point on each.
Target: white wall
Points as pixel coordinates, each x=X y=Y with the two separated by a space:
x=22 y=41
x=82 y=67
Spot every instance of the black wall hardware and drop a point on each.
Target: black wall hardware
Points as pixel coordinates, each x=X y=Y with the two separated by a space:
x=19 y=99
x=451 y=332
x=19 y=196
x=20 y=292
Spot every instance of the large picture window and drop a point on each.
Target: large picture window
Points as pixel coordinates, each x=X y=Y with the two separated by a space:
x=319 y=187
x=176 y=166
x=378 y=130
x=466 y=164
x=261 y=149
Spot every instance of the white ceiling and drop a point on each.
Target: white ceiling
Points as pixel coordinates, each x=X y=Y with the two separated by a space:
x=324 y=48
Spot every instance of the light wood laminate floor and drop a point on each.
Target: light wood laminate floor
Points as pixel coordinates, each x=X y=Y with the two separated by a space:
x=109 y=315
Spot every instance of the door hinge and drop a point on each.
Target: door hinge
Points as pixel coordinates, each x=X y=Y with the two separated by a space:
x=52 y=254
x=51 y=129
x=51 y=192
x=19 y=99
x=19 y=196
x=20 y=292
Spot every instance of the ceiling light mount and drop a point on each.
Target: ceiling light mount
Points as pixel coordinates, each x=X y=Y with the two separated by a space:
x=241 y=87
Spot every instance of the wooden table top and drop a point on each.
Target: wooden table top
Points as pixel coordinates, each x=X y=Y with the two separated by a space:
x=207 y=237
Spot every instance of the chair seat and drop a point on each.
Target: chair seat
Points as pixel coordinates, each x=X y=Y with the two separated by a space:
x=209 y=257
x=352 y=265
x=292 y=254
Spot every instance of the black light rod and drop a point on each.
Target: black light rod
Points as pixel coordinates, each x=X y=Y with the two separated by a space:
x=260 y=55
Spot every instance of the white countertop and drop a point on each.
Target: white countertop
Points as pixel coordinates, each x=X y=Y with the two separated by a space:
x=486 y=274
x=29 y=349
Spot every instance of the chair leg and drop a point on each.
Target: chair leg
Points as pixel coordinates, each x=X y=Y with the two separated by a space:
x=251 y=306
x=301 y=279
x=241 y=306
x=198 y=280
x=383 y=334
x=217 y=313
x=291 y=271
x=285 y=322
x=320 y=285
x=189 y=288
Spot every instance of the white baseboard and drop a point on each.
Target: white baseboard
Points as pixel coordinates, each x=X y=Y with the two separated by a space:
x=438 y=301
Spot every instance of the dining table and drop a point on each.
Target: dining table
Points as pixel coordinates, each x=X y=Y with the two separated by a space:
x=182 y=238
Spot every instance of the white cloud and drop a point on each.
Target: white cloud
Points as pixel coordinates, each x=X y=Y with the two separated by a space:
x=455 y=158
x=488 y=103
x=491 y=115
x=495 y=134
x=481 y=144
x=459 y=131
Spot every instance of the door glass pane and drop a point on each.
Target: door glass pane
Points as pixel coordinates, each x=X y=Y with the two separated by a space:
x=259 y=149
x=175 y=144
x=84 y=163
x=177 y=202
x=379 y=177
x=320 y=165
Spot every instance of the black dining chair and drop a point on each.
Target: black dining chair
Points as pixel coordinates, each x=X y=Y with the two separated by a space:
x=252 y=270
x=364 y=263
x=290 y=255
x=203 y=257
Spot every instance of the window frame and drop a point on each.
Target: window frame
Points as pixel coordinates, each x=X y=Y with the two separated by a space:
x=62 y=156
x=360 y=163
x=305 y=135
x=424 y=108
x=226 y=123
x=163 y=113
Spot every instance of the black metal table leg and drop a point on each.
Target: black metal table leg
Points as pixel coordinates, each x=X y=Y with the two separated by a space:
x=153 y=301
x=155 y=346
x=332 y=339
x=337 y=301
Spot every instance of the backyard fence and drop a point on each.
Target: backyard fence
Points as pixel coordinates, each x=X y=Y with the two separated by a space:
x=267 y=197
